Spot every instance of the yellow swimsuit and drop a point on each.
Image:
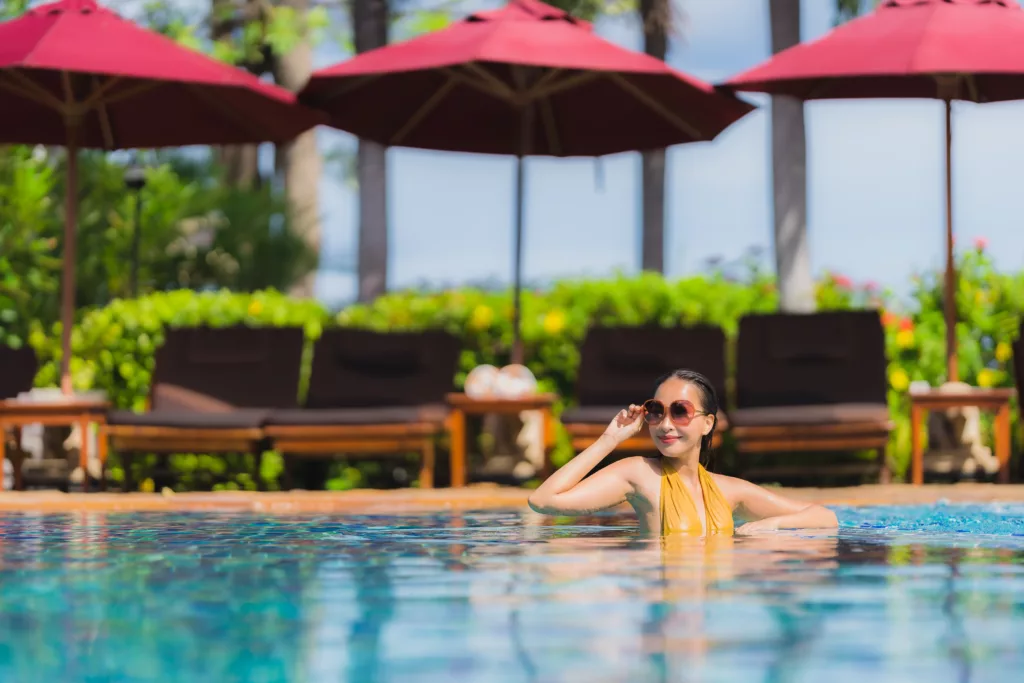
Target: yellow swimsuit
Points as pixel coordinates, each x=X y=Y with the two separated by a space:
x=678 y=511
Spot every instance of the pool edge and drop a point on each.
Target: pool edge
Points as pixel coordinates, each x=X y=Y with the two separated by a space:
x=469 y=498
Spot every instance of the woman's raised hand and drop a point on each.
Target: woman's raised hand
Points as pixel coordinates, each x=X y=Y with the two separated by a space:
x=626 y=424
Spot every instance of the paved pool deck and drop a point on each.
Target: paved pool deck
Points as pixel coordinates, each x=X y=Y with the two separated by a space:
x=480 y=497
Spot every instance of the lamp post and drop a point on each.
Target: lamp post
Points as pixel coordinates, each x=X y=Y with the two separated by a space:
x=135 y=179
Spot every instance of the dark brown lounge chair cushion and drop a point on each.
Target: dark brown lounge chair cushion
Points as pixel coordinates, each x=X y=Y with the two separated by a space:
x=17 y=370
x=619 y=365
x=788 y=359
x=351 y=417
x=356 y=369
x=1018 y=359
x=592 y=415
x=241 y=418
x=837 y=413
x=244 y=367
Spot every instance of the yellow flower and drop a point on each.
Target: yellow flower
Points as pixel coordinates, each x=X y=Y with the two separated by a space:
x=986 y=378
x=899 y=380
x=554 y=322
x=905 y=339
x=1003 y=352
x=147 y=485
x=255 y=307
x=481 y=318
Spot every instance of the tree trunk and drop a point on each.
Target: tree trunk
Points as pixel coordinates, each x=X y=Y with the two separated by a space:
x=300 y=159
x=370 y=25
x=240 y=163
x=789 y=176
x=656 y=18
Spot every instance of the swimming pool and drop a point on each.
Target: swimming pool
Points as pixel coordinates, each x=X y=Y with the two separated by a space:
x=933 y=593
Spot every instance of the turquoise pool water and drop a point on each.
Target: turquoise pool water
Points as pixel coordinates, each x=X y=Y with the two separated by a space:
x=899 y=594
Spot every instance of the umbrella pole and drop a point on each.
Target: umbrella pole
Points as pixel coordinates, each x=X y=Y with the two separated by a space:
x=67 y=303
x=517 y=342
x=525 y=131
x=950 y=291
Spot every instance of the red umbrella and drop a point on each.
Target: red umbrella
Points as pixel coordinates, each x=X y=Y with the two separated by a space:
x=936 y=49
x=73 y=73
x=524 y=79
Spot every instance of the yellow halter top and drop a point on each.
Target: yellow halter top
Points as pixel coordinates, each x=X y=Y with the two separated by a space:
x=678 y=511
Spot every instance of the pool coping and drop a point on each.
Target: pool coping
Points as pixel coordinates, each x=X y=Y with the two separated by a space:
x=474 y=497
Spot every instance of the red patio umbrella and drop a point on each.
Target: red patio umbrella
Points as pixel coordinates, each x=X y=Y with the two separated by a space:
x=524 y=79
x=73 y=73
x=937 y=49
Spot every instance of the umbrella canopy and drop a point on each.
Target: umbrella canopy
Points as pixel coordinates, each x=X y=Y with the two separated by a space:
x=467 y=88
x=939 y=49
x=73 y=73
x=525 y=79
x=76 y=65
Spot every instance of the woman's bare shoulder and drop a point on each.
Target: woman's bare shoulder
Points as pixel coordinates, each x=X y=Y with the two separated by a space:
x=636 y=469
x=732 y=488
x=637 y=465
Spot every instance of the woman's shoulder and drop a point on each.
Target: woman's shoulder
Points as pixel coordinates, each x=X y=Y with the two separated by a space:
x=638 y=469
x=731 y=486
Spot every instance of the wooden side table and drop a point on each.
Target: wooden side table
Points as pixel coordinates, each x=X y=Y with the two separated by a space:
x=995 y=400
x=15 y=413
x=462 y=405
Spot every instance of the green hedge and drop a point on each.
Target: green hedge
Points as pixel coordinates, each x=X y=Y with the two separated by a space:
x=114 y=345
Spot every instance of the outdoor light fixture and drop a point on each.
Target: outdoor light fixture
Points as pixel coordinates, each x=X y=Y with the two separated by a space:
x=135 y=179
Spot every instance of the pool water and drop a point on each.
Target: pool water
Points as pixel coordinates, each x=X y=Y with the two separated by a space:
x=898 y=594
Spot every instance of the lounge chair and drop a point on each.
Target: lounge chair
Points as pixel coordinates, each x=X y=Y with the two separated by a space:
x=212 y=388
x=812 y=382
x=18 y=368
x=619 y=366
x=371 y=394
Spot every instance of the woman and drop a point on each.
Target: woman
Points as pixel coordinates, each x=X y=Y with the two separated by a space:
x=673 y=493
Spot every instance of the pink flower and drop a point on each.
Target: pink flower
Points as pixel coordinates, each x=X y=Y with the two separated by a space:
x=870 y=286
x=842 y=281
x=980 y=243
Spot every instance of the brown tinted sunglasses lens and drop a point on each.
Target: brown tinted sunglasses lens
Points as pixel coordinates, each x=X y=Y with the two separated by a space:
x=680 y=411
x=654 y=412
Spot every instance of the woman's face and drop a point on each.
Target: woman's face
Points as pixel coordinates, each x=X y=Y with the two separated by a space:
x=671 y=438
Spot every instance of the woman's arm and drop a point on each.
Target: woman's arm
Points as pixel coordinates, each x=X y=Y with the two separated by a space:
x=566 y=492
x=772 y=511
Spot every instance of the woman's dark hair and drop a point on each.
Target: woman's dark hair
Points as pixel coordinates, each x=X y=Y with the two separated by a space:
x=708 y=399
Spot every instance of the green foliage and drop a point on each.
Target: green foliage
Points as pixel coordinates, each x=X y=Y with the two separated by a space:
x=988 y=313
x=29 y=274
x=195 y=232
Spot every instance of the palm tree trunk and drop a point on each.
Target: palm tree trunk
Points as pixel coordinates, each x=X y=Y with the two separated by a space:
x=239 y=162
x=789 y=176
x=655 y=15
x=370 y=25
x=300 y=159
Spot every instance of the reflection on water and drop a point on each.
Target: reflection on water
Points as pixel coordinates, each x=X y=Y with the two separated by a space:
x=498 y=596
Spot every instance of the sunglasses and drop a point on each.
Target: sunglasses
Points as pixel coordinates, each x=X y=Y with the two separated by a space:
x=680 y=412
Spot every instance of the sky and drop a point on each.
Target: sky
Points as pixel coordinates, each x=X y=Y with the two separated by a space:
x=875 y=184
